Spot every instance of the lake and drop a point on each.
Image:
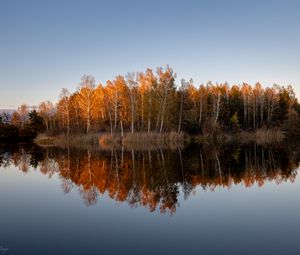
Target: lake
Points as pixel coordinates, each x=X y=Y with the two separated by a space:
x=233 y=199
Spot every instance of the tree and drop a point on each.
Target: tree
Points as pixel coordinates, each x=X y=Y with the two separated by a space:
x=23 y=112
x=47 y=112
x=86 y=99
x=132 y=84
x=183 y=94
x=165 y=93
x=202 y=100
x=64 y=108
x=35 y=122
x=152 y=101
x=146 y=86
x=234 y=121
x=4 y=118
x=99 y=113
x=122 y=101
x=16 y=119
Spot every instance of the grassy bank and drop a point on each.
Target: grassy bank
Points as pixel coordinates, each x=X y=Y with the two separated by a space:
x=171 y=140
x=143 y=140
x=260 y=136
x=62 y=140
x=105 y=140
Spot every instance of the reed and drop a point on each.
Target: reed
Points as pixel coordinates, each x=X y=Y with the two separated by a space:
x=151 y=140
x=63 y=140
x=261 y=136
x=143 y=140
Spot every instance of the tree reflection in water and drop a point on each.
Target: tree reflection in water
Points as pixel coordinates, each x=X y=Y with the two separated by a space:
x=153 y=178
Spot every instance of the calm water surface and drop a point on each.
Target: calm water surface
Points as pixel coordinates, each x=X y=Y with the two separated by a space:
x=197 y=200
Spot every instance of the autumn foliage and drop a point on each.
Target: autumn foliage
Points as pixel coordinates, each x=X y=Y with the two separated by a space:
x=151 y=102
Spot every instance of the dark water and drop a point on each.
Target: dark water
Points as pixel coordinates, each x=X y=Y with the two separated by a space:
x=201 y=199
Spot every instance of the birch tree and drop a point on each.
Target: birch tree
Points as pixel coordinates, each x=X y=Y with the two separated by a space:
x=86 y=99
x=132 y=84
x=65 y=108
x=165 y=88
x=23 y=113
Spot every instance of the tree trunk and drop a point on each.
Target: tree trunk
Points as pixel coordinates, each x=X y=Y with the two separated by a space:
x=142 y=126
x=163 y=111
x=77 y=117
x=116 y=112
x=218 y=107
x=149 y=114
x=261 y=110
x=46 y=122
x=201 y=109
x=132 y=112
x=245 y=111
x=68 y=124
x=254 y=113
x=88 y=123
x=122 y=132
x=180 y=113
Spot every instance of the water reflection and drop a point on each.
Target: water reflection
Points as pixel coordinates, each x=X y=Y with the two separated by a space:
x=154 y=178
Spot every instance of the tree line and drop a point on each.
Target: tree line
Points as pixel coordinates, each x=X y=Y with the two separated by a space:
x=151 y=101
x=20 y=128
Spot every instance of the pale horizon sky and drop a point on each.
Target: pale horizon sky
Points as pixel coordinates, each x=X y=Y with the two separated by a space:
x=48 y=45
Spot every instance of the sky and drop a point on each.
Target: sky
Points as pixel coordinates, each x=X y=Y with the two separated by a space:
x=49 y=45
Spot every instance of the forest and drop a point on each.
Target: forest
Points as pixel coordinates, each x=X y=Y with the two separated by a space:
x=151 y=102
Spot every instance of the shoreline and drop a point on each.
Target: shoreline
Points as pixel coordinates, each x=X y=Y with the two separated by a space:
x=141 y=140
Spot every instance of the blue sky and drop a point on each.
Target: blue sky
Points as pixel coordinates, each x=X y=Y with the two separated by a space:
x=48 y=45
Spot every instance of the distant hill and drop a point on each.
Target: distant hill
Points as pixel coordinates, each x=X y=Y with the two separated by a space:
x=8 y=111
